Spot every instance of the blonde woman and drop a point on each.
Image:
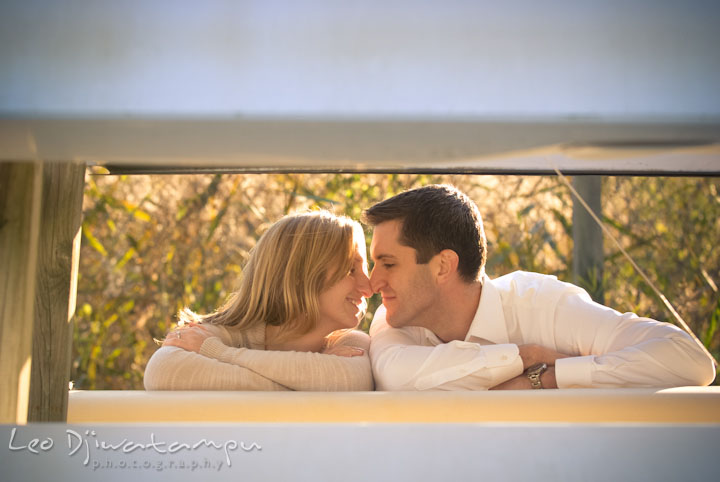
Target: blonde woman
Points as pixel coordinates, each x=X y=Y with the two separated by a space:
x=290 y=324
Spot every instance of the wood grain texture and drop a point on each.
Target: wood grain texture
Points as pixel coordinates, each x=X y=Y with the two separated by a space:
x=20 y=198
x=55 y=289
x=588 y=255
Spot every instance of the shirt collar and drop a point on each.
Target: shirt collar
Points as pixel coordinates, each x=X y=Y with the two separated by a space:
x=488 y=325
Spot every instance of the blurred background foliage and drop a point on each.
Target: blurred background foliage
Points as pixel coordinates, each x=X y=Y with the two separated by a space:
x=155 y=244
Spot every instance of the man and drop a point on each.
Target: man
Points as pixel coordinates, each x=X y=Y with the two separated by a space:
x=445 y=325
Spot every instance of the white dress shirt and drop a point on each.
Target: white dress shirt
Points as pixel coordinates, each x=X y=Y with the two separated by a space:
x=607 y=348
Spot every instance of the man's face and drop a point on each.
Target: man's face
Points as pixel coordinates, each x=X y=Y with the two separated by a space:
x=407 y=288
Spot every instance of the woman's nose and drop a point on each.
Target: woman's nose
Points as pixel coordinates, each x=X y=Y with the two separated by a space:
x=363 y=284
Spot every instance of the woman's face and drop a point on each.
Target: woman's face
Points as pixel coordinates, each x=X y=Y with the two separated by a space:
x=343 y=305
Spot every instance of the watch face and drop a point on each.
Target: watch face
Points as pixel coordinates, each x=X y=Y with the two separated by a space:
x=537 y=369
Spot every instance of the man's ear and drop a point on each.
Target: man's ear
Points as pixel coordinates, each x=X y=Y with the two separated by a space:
x=446 y=265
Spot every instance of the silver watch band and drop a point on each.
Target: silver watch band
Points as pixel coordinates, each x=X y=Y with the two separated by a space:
x=534 y=372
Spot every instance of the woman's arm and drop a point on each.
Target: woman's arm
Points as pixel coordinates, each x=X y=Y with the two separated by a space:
x=172 y=368
x=303 y=370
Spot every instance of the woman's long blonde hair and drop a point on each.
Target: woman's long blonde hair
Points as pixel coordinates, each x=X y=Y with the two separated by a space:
x=292 y=263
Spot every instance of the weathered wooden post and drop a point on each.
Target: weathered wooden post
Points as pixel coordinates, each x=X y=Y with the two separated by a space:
x=588 y=254
x=20 y=199
x=55 y=289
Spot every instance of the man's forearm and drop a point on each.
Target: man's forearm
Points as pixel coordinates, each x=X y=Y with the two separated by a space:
x=532 y=354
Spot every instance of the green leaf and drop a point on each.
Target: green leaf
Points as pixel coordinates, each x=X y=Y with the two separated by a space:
x=712 y=328
x=126 y=257
x=97 y=245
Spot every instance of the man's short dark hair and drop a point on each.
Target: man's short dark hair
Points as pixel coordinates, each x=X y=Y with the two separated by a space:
x=434 y=218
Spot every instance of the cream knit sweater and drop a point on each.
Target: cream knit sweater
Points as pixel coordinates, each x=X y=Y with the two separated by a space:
x=236 y=360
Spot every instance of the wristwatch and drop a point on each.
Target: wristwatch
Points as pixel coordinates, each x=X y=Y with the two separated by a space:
x=533 y=373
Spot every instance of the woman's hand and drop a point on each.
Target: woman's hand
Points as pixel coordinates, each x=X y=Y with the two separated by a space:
x=344 y=350
x=189 y=337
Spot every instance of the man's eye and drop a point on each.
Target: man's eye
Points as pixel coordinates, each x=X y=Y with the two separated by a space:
x=388 y=265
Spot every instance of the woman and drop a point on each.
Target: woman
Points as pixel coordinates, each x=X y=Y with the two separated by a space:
x=289 y=326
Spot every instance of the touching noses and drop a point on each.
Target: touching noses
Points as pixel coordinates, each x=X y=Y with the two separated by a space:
x=362 y=283
x=375 y=281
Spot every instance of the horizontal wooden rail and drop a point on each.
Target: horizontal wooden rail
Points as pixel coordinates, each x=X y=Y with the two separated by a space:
x=667 y=147
x=673 y=406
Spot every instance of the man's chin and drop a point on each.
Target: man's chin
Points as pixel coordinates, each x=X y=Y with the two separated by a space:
x=394 y=322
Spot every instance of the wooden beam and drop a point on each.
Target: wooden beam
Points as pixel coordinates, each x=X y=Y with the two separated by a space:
x=588 y=254
x=56 y=289
x=20 y=198
x=449 y=145
x=686 y=405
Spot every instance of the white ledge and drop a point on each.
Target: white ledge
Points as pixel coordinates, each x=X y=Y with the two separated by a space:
x=672 y=406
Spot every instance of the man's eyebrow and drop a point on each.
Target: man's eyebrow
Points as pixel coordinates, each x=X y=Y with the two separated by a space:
x=380 y=257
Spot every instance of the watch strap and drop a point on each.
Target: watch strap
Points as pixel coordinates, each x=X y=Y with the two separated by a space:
x=534 y=372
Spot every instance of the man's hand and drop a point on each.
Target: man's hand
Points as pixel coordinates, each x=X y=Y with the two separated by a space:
x=533 y=354
x=522 y=382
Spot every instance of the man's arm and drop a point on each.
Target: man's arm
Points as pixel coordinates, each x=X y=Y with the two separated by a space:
x=402 y=361
x=614 y=350
x=622 y=350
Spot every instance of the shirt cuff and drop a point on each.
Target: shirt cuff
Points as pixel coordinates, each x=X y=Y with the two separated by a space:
x=574 y=372
x=494 y=362
x=501 y=355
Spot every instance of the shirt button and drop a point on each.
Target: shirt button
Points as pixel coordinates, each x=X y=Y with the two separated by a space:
x=503 y=358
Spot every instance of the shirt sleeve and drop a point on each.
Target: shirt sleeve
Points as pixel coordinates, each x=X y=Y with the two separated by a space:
x=401 y=360
x=172 y=368
x=301 y=370
x=622 y=350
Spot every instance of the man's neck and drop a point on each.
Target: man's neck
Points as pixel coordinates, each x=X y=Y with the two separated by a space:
x=459 y=311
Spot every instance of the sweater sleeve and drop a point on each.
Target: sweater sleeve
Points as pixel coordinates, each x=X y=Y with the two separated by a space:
x=172 y=368
x=302 y=370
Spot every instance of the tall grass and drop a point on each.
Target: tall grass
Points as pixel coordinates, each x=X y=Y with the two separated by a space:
x=155 y=244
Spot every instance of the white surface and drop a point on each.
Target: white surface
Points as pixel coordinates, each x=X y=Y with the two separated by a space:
x=377 y=58
x=395 y=85
x=362 y=452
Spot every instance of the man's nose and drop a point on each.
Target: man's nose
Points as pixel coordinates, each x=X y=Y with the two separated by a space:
x=363 y=285
x=375 y=281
